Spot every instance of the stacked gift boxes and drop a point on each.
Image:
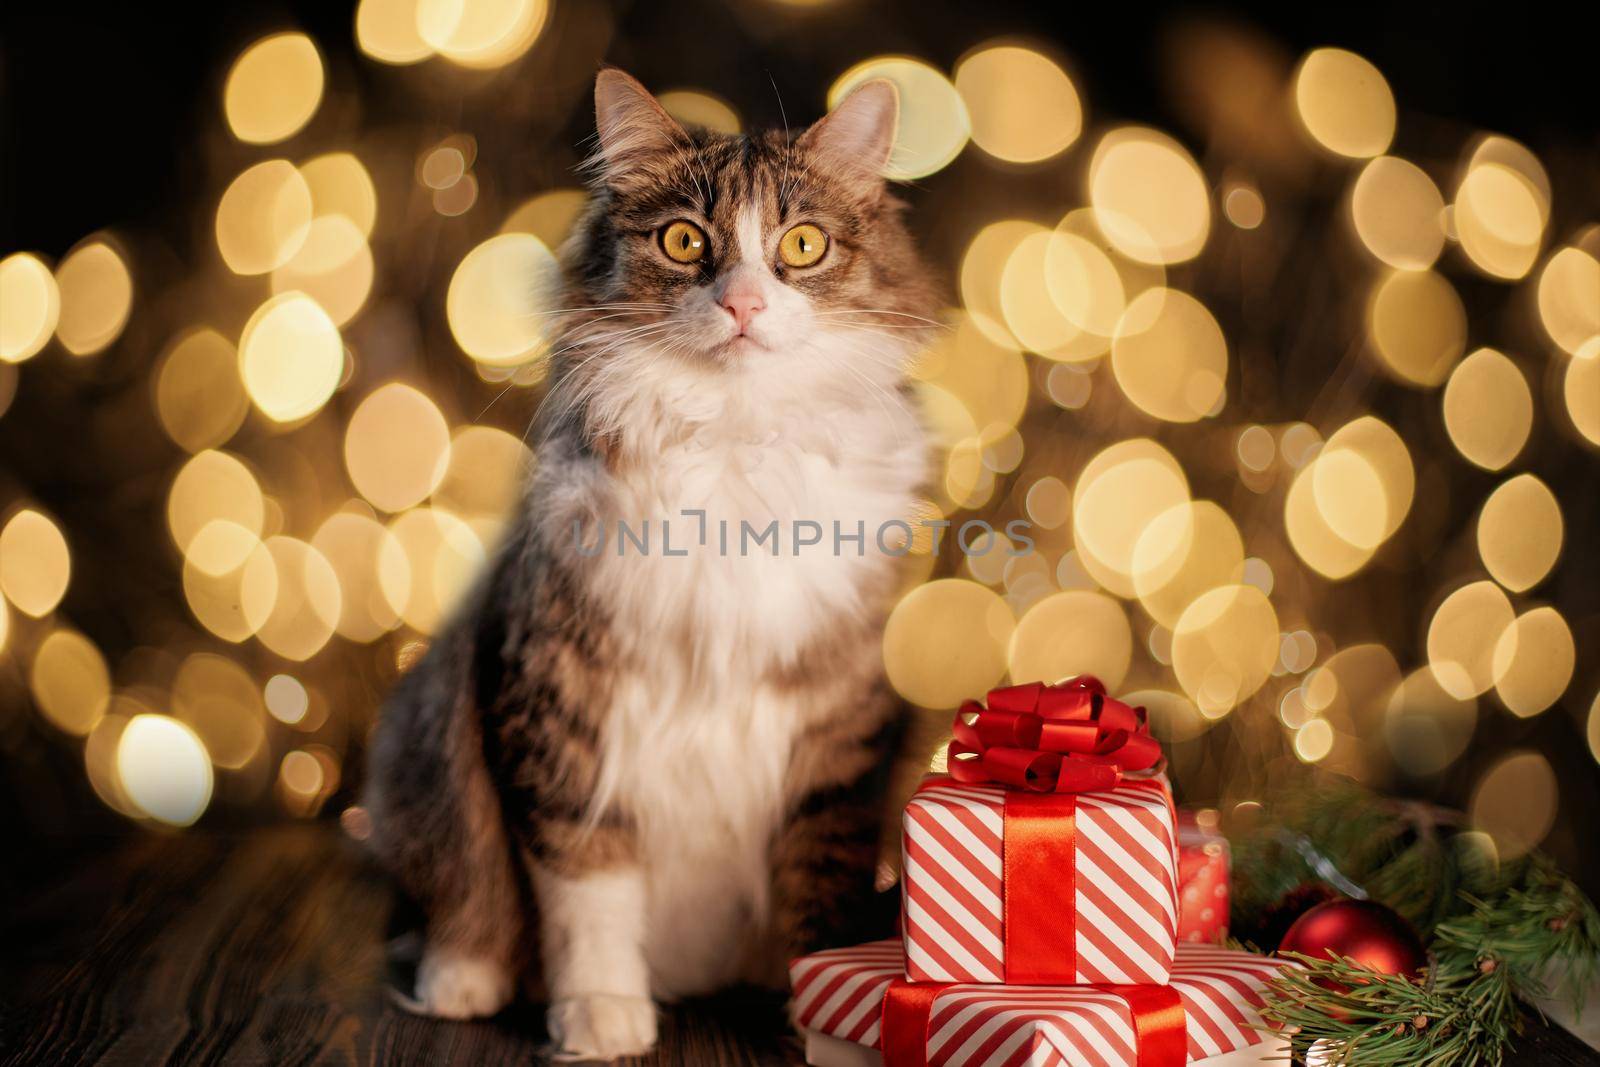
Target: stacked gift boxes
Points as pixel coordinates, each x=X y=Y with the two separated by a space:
x=1042 y=923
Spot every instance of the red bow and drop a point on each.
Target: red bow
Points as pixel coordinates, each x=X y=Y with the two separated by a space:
x=1067 y=738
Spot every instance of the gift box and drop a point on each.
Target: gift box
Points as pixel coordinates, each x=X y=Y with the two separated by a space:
x=1047 y=856
x=846 y=1000
x=1203 y=860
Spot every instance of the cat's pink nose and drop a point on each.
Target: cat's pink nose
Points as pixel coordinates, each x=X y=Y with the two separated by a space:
x=742 y=301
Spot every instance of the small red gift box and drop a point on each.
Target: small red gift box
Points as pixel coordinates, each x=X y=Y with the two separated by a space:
x=1202 y=882
x=1011 y=876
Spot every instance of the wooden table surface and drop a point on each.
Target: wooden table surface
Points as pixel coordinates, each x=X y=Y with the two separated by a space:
x=269 y=948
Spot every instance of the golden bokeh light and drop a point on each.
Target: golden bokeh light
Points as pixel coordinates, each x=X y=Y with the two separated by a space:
x=340 y=185
x=1396 y=209
x=1533 y=661
x=1580 y=388
x=397 y=447
x=1169 y=356
x=1121 y=491
x=1488 y=409
x=1149 y=197
x=480 y=34
x=70 y=682
x=946 y=641
x=1345 y=103
x=286 y=699
x=1515 y=803
x=1314 y=740
x=983 y=275
x=934 y=124
x=1426 y=727
x=1186 y=551
x=30 y=306
x=291 y=357
x=1244 y=206
x=163 y=769
x=486 y=472
x=199 y=398
x=1313 y=539
x=215 y=486
x=1520 y=532
x=1087 y=289
x=299 y=618
x=264 y=217
x=494 y=300
x=1569 y=298
x=1465 y=631
x=387 y=31
x=1363 y=481
x=1224 y=646
x=696 y=107
x=1026 y=303
x=231 y=602
x=444 y=556
x=1418 y=326
x=35 y=563
x=1256 y=448
x=373 y=572
x=1499 y=220
x=548 y=216
x=1072 y=633
x=1022 y=105
x=333 y=266
x=219 y=701
x=273 y=89
x=96 y=297
x=989 y=381
x=1048 y=502
x=1352 y=686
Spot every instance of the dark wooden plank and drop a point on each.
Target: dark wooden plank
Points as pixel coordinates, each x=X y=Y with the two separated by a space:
x=269 y=948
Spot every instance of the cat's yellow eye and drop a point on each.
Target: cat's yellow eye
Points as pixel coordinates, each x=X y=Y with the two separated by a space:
x=683 y=242
x=803 y=245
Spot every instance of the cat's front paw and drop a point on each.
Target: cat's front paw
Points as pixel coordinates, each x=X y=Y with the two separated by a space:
x=454 y=986
x=602 y=1027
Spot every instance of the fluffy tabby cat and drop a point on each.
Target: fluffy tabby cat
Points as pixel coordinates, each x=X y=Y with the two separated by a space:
x=642 y=775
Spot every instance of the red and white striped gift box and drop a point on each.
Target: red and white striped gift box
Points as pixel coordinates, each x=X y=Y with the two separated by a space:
x=839 y=994
x=1117 y=917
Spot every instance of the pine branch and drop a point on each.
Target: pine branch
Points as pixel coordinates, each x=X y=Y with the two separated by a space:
x=1362 y=1018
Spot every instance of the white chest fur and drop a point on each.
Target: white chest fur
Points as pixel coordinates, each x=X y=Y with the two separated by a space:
x=696 y=744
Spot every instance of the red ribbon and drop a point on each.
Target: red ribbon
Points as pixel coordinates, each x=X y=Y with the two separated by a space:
x=1067 y=738
x=1038 y=884
x=1160 y=1035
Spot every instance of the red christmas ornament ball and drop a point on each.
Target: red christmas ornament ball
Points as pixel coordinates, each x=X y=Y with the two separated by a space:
x=1363 y=930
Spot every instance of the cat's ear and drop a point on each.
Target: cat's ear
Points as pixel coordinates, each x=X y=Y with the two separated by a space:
x=856 y=137
x=632 y=126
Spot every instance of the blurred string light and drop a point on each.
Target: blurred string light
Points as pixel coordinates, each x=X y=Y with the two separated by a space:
x=1418 y=326
x=1466 y=630
x=1022 y=106
x=273 y=89
x=493 y=300
x=1149 y=197
x=340 y=185
x=477 y=34
x=30 y=306
x=96 y=294
x=1515 y=802
x=1533 y=661
x=291 y=357
x=1569 y=298
x=1520 y=532
x=198 y=395
x=1344 y=103
x=1488 y=409
x=1072 y=633
x=696 y=107
x=548 y=216
x=263 y=217
x=35 y=563
x=1396 y=209
x=396 y=447
x=1581 y=390
x=934 y=124
x=1169 y=356
x=163 y=769
x=70 y=682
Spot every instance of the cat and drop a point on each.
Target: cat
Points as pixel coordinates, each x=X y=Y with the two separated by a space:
x=648 y=768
